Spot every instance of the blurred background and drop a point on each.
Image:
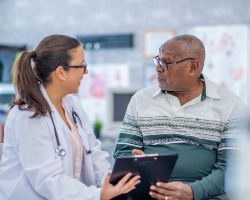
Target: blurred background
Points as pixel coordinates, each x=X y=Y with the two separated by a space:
x=120 y=39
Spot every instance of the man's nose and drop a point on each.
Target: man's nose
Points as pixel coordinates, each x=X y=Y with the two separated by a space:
x=159 y=68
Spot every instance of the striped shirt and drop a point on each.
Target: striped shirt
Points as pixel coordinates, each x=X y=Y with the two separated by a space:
x=200 y=131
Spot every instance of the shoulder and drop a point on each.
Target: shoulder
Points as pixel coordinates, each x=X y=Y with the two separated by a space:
x=23 y=117
x=227 y=102
x=228 y=98
x=142 y=99
x=215 y=91
x=227 y=95
x=20 y=124
x=145 y=92
x=16 y=113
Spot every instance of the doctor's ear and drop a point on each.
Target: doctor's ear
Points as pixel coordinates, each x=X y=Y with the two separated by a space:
x=60 y=73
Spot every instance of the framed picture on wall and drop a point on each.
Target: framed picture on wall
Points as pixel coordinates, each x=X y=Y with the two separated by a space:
x=153 y=39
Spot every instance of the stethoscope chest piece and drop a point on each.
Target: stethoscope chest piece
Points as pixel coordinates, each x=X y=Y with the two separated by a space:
x=61 y=153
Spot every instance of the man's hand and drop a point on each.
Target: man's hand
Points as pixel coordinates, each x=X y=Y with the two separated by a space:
x=137 y=152
x=171 y=191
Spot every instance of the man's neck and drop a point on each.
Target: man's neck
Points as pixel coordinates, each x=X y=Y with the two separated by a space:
x=188 y=95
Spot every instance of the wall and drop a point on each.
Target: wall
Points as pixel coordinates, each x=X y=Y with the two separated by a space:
x=28 y=21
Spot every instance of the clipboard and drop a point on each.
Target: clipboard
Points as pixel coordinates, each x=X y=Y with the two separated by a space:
x=151 y=168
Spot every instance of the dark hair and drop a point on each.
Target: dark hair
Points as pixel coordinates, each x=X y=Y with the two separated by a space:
x=51 y=52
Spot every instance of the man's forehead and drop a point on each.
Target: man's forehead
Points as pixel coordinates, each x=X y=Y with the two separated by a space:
x=171 y=48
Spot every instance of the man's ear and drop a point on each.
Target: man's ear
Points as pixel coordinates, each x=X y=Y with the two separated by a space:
x=194 y=67
x=60 y=73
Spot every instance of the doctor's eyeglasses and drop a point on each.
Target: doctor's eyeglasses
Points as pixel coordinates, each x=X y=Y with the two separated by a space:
x=84 y=66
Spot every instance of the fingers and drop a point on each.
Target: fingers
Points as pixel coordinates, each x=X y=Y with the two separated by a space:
x=107 y=179
x=137 y=152
x=175 y=185
x=172 y=190
x=165 y=185
x=133 y=182
x=158 y=196
x=128 y=187
x=125 y=185
x=124 y=179
x=161 y=191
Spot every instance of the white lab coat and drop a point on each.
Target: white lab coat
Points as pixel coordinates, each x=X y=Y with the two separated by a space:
x=30 y=168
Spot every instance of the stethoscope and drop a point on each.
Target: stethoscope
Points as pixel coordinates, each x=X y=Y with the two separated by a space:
x=59 y=150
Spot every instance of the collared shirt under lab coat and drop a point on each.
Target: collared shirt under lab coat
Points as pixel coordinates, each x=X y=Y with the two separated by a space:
x=30 y=168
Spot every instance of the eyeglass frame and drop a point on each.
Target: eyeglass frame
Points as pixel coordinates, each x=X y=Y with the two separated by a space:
x=84 y=66
x=165 y=65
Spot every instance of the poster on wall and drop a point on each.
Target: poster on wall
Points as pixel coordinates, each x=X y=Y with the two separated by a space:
x=95 y=85
x=153 y=39
x=150 y=75
x=226 y=56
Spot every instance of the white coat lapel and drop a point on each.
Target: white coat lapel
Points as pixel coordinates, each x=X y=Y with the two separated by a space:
x=71 y=107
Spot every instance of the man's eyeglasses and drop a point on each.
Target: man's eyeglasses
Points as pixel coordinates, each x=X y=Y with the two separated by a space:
x=84 y=66
x=165 y=65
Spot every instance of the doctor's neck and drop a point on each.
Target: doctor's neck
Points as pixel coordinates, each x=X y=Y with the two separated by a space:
x=55 y=95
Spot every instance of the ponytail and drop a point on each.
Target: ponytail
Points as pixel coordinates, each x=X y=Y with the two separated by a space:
x=27 y=84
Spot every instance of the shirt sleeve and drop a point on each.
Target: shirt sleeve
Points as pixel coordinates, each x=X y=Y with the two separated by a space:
x=213 y=184
x=36 y=152
x=130 y=136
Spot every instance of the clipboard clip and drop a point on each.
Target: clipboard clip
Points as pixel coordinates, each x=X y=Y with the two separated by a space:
x=154 y=156
x=146 y=155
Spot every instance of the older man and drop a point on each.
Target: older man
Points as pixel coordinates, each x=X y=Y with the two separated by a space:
x=187 y=114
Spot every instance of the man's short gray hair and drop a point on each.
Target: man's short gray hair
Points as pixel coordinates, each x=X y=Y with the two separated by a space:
x=192 y=45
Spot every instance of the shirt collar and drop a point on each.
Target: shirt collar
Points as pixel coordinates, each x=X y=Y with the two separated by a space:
x=211 y=89
x=65 y=100
x=46 y=96
x=157 y=92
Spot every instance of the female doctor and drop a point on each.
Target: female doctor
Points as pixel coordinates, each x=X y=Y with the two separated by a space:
x=50 y=151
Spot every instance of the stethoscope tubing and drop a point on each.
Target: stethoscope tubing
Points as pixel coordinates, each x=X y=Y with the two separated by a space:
x=60 y=151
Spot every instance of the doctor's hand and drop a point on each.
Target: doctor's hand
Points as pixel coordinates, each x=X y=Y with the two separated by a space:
x=125 y=185
x=171 y=191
